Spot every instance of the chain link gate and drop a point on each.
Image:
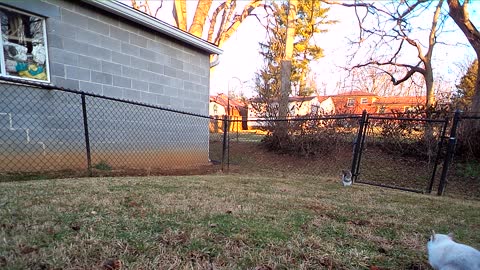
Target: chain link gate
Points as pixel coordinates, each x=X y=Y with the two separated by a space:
x=398 y=153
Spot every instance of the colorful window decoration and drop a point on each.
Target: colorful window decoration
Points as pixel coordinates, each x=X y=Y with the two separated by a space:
x=24 y=44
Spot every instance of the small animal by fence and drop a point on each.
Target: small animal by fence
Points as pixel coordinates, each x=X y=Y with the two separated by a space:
x=346 y=178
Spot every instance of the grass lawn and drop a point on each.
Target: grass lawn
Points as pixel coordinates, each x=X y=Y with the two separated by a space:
x=222 y=222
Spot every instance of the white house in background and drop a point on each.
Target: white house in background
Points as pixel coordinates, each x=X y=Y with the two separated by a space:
x=298 y=106
x=215 y=108
x=322 y=106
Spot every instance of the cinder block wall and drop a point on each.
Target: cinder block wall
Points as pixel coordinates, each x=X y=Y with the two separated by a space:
x=96 y=52
x=101 y=53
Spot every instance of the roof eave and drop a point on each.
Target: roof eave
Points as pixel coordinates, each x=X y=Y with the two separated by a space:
x=155 y=24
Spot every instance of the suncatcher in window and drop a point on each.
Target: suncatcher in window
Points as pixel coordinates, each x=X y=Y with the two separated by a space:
x=24 y=44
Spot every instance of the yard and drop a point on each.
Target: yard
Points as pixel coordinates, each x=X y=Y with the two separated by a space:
x=218 y=221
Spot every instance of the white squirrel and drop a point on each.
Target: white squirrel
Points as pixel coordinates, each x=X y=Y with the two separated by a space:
x=346 y=178
x=446 y=254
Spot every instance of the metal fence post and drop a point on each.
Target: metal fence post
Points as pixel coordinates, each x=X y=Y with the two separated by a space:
x=87 y=137
x=237 y=124
x=439 y=151
x=224 y=145
x=229 y=121
x=357 y=144
x=450 y=150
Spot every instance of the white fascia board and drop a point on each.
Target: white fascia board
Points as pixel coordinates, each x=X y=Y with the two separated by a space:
x=155 y=24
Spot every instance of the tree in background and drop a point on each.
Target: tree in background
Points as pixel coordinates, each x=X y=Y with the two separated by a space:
x=460 y=15
x=375 y=80
x=309 y=19
x=215 y=25
x=393 y=27
x=458 y=12
x=466 y=87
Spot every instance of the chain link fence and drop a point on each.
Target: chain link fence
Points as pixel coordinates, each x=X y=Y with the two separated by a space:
x=463 y=176
x=315 y=147
x=41 y=130
x=52 y=132
x=48 y=132
x=401 y=153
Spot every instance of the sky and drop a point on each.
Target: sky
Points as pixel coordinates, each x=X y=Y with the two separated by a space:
x=241 y=59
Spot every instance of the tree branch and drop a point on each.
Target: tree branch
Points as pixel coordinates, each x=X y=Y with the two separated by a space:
x=237 y=20
x=411 y=70
x=213 y=21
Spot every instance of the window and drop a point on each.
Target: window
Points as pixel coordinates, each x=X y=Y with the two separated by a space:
x=382 y=109
x=24 y=43
x=350 y=102
x=364 y=100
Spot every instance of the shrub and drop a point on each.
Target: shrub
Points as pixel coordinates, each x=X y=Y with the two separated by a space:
x=313 y=137
x=102 y=166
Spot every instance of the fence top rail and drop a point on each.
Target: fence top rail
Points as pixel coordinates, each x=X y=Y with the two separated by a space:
x=408 y=119
x=470 y=117
x=47 y=86
x=303 y=119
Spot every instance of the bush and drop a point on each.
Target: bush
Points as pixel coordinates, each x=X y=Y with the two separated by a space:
x=318 y=137
x=468 y=143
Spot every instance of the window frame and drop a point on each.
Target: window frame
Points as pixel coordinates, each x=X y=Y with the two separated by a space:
x=352 y=102
x=382 y=109
x=364 y=100
x=3 y=68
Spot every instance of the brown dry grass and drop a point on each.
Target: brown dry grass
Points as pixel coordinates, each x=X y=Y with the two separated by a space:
x=222 y=222
x=376 y=167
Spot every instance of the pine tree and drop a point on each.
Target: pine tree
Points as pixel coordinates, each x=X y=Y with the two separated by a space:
x=466 y=87
x=309 y=19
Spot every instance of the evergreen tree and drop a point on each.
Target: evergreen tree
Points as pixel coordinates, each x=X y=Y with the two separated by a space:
x=466 y=87
x=309 y=19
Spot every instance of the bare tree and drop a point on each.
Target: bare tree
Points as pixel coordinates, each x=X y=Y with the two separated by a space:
x=391 y=25
x=215 y=24
x=460 y=15
x=377 y=80
x=286 y=68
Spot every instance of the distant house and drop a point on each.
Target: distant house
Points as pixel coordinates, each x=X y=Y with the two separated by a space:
x=399 y=104
x=220 y=105
x=354 y=102
x=105 y=48
x=322 y=106
x=298 y=106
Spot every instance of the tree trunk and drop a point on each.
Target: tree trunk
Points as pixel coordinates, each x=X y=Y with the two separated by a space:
x=180 y=14
x=459 y=14
x=286 y=70
x=201 y=13
x=429 y=85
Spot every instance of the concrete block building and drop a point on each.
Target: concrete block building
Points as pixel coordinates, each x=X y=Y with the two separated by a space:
x=109 y=49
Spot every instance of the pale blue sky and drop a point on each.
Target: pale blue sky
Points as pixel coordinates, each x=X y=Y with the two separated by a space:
x=241 y=59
